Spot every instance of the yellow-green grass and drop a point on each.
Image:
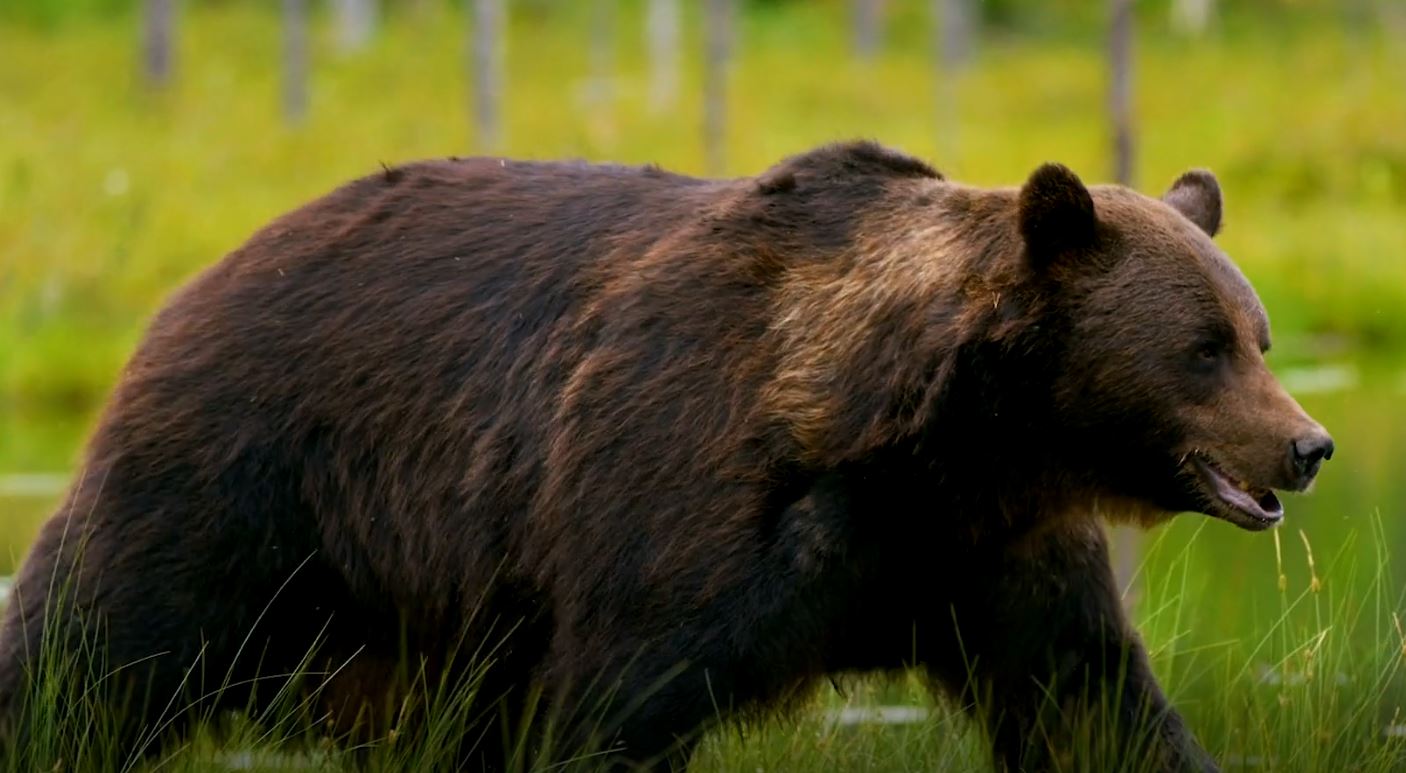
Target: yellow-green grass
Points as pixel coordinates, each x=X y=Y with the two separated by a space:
x=111 y=195
x=1313 y=685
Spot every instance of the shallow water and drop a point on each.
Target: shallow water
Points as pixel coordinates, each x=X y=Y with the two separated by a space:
x=1359 y=490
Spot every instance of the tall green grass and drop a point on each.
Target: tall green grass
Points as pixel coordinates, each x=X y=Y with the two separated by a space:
x=1314 y=685
x=111 y=195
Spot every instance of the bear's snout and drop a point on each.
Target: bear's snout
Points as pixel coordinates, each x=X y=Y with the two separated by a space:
x=1307 y=454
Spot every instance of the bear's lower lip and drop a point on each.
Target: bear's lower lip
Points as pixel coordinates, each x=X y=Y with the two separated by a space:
x=1249 y=507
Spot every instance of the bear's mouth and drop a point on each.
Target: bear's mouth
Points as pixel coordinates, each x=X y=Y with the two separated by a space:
x=1249 y=507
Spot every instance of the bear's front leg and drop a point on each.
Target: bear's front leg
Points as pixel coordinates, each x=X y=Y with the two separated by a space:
x=1049 y=663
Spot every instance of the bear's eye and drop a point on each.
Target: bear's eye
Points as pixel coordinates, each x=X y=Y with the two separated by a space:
x=1208 y=354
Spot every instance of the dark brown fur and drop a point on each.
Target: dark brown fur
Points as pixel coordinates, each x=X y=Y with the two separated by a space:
x=696 y=442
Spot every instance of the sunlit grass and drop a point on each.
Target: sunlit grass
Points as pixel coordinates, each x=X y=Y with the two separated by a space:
x=111 y=195
x=1315 y=684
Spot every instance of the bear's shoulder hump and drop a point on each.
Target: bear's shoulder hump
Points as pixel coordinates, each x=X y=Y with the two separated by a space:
x=840 y=163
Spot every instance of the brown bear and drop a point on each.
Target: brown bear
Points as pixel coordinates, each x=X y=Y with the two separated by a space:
x=668 y=449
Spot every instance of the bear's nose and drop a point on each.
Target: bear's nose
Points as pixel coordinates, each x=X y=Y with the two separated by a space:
x=1309 y=452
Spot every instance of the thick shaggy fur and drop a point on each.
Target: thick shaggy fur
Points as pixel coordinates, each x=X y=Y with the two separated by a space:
x=692 y=444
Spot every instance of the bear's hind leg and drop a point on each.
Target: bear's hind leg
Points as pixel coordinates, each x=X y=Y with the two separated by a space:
x=129 y=627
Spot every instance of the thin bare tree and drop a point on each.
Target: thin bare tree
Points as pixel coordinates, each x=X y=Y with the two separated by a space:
x=715 y=66
x=1126 y=539
x=356 y=23
x=1120 y=93
x=1393 y=14
x=953 y=22
x=487 y=23
x=662 y=31
x=868 y=27
x=602 y=53
x=957 y=23
x=158 y=33
x=295 y=60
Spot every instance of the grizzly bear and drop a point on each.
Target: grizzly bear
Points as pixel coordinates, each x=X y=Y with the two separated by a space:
x=661 y=450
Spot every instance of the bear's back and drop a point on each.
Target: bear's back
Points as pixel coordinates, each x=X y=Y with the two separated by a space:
x=428 y=358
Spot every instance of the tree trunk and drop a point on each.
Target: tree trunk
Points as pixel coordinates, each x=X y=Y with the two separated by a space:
x=602 y=53
x=719 y=50
x=868 y=27
x=1391 y=13
x=957 y=25
x=1126 y=539
x=1120 y=45
x=486 y=35
x=662 y=29
x=952 y=24
x=295 y=60
x=158 y=26
x=356 y=23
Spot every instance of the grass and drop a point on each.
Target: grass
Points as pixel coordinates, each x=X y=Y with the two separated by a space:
x=111 y=195
x=1315 y=685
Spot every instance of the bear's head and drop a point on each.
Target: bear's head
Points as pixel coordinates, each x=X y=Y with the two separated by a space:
x=1163 y=384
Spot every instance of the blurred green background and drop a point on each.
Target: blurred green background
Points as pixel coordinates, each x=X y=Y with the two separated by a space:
x=117 y=183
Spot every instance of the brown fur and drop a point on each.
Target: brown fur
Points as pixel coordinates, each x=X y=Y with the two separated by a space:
x=627 y=426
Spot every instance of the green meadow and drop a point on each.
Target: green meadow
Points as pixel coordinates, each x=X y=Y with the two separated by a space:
x=1284 y=650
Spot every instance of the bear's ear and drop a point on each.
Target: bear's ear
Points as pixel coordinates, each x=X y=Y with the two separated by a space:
x=1056 y=214
x=1196 y=195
